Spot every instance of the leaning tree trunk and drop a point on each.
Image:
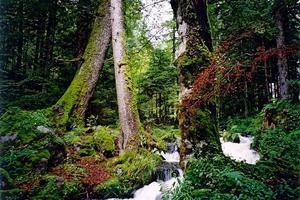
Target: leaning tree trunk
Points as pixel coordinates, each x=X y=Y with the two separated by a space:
x=281 y=60
x=128 y=115
x=198 y=127
x=74 y=102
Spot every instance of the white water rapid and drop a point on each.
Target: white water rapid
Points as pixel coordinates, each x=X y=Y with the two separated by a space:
x=240 y=151
x=165 y=180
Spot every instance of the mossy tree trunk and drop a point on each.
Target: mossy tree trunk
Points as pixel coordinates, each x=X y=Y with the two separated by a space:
x=128 y=115
x=72 y=105
x=198 y=127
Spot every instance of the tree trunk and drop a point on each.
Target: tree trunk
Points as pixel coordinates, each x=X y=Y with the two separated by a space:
x=281 y=60
x=20 y=38
x=198 y=129
x=82 y=27
x=75 y=100
x=47 y=51
x=128 y=115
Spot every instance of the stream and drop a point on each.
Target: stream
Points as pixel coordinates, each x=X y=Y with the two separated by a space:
x=167 y=176
x=168 y=173
x=240 y=151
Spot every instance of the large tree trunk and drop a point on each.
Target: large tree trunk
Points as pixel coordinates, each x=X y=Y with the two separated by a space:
x=128 y=115
x=281 y=60
x=198 y=127
x=75 y=100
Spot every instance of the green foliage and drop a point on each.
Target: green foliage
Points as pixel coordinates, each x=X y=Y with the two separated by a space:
x=286 y=115
x=218 y=178
x=280 y=145
x=132 y=170
x=165 y=133
x=103 y=104
x=236 y=126
x=157 y=94
x=52 y=190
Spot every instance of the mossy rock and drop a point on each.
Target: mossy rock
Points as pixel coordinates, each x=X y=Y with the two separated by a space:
x=36 y=157
x=104 y=141
x=111 y=188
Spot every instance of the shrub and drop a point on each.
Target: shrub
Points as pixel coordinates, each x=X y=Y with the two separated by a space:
x=218 y=178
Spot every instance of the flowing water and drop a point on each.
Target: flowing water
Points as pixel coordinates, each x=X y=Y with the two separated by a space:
x=168 y=174
x=240 y=151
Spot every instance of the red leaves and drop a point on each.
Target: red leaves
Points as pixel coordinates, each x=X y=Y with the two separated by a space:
x=220 y=79
x=95 y=172
x=92 y=174
x=29 y=184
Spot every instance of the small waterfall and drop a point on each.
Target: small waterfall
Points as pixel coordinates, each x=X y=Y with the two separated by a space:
x=167 y=176
x=240 y=151
x=171 y=155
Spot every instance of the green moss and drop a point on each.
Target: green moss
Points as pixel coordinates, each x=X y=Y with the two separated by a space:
x=104 y=140
x=111 y=188
x=36 y=157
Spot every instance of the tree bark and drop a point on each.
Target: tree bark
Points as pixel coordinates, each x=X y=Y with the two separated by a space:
x=74 y=102
x=281 y=60
x=198 y=130
x=128 y=115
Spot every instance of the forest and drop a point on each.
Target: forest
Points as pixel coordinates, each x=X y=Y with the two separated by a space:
x=149 y=99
